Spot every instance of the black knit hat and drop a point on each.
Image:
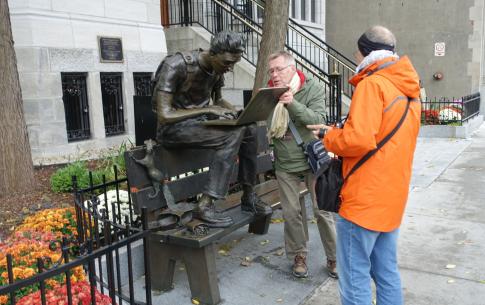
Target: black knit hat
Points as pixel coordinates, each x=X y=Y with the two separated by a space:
x=366 y=46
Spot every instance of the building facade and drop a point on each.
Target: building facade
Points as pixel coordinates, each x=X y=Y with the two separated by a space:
x=444 y=39
x=80 y=62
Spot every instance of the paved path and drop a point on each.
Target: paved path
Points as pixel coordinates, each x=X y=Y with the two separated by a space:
x=444 y=225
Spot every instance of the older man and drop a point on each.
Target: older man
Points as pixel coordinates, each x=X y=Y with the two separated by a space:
x=375 y=195
x=304 y=104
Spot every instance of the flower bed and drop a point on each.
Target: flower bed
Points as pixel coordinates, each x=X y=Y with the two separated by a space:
x=34 y=239
x=110 y=202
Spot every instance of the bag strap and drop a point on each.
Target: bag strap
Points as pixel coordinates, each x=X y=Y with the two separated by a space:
x=381 y=143
x=368 y=155
x=296 y=135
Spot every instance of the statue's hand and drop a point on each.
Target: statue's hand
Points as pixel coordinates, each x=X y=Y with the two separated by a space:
x=223 y=112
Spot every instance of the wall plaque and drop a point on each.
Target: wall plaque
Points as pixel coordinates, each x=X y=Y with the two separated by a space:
x=110 y=49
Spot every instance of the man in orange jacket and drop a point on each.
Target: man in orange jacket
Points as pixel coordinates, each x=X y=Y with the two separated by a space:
x=375 y=195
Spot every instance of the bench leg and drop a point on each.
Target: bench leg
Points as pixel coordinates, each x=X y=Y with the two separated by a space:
x=202 y=273
x=162 y=265
x=260 y=225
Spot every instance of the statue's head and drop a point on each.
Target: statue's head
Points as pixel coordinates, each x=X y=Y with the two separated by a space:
x=226 y=50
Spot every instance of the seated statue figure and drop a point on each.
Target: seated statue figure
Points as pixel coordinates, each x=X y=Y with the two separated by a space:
x=188 y=92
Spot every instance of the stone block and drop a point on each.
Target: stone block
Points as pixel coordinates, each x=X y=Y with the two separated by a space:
x=33 y=131
x=153 y=12
x=72 y=60
x=86 y=33
x=46 y=85
x=31 y=111
x=52 y=32
x=21 y=31
x=244 y=75
x=235 y=97
x=130 y=36
x=32 y=59
x=143 y=62
x=84 y=7
x=14 y=4
x=152 y=39
x=41 y=4
x=58 y=113
x=126 y=10
x=174 y=46
x=53 y=134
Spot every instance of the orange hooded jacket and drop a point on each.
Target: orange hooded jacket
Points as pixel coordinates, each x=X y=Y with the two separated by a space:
x=374 y=196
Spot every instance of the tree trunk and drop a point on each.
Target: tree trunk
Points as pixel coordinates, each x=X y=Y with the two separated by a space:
x=275 y=27
x=16 y=169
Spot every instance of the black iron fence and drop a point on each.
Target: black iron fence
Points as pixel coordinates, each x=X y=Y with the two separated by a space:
x=102 y=252
x=450 y=111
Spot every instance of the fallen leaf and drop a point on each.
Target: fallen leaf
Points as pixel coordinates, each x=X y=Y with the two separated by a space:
x=264 y=242
x=277 y=220
x=246 y=262
x=450 y=281
x=450 y=266
x=223 y=252
x=482 y=282
x=195 y=301
x=279 y=252
x=313 y=220
x=279 y=300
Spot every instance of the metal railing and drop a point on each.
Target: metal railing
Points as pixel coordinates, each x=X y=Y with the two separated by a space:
x=313 y=55
x=102 y=234
x=450 y=111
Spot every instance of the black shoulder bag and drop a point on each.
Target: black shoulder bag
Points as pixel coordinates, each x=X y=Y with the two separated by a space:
x=328 y=170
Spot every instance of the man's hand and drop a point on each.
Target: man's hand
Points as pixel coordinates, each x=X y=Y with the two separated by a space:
x=223 y=112
x=287 y=97
x=319 y=130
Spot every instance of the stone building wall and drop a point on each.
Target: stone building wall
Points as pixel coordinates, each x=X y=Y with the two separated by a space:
x=56 y=36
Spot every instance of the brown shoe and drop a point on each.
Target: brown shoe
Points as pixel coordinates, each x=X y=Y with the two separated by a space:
x=332 y=269
x=300 y=269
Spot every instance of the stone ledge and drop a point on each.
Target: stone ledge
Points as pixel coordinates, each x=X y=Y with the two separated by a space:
x=446 y=131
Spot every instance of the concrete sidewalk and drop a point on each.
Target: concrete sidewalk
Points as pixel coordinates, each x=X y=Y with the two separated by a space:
x=442 y=239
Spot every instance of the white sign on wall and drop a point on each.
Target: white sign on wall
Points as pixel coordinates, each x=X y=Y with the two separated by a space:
x=439 y=49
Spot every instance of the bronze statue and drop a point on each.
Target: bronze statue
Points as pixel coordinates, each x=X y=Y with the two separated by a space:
x=188 y=92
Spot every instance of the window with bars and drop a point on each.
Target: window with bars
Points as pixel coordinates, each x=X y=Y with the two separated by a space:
x=76 y=108
x=112 y=96
x=142 y=82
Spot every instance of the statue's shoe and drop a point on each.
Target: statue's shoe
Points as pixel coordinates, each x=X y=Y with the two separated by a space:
x=213 y=219
x=252 y=203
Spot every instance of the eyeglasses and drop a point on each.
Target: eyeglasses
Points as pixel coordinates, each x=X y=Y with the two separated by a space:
x=277 y=69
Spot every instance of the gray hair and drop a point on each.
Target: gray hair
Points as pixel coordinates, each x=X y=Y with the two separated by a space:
x=289 y=59
x=381 y=34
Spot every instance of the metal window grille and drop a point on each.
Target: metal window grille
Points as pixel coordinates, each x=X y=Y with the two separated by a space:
x=112 y=95
x=76 y=108
x=142 y=83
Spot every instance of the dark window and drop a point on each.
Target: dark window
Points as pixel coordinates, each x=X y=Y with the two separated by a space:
x=112 y=95
x=142 y=82
x=313 y=10
x=76 y=109
x=293 y=8
x=303 y=8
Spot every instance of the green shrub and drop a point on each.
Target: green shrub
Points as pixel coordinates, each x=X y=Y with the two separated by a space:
x=61 y=180
x=115 y=158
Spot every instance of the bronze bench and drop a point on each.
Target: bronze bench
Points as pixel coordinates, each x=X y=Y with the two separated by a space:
x=197 y=252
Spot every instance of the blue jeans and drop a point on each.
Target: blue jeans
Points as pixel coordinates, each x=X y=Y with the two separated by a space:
x=363 y=255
